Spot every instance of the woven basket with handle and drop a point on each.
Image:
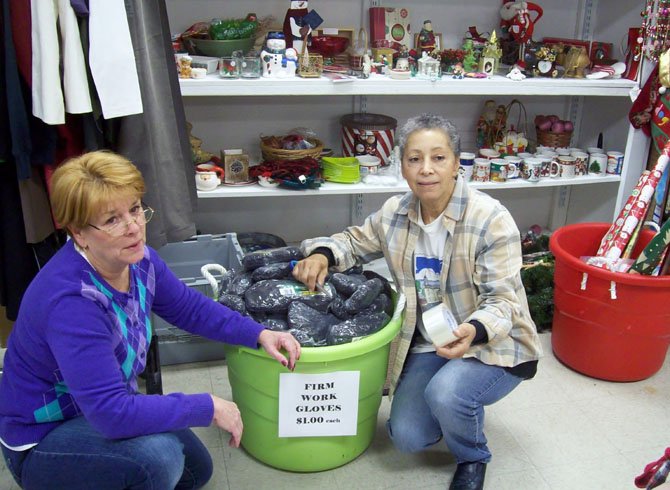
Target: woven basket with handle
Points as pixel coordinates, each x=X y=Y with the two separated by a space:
x=271 y=154
x=556 y=140
x=360 y=48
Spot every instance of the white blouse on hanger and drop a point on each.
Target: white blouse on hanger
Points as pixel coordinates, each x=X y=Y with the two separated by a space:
x=111 y=60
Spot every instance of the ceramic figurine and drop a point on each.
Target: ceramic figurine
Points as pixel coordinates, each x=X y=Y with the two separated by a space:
x=429 y=67
x=576 y=61
x=484 y=124
x=185 y=66
x=515 y=74
x=278 y=62
x=402 y=63
x=367 y=65
x=469 y=58
x=299 y=23
x=545 y=62
x=458 y=71
x=490 y=58
x=294 y=30
x=427 y=42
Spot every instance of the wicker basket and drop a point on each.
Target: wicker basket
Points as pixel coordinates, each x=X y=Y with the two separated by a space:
x=359 y=50
x=271 y=154
x=556 y=140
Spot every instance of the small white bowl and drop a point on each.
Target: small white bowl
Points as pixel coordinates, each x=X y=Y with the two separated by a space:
x=369 y=164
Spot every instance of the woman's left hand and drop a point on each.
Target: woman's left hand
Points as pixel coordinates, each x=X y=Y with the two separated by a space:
x=272 y=342
x=466 y=333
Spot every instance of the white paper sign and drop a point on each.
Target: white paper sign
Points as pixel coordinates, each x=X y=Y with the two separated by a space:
x=312 y=405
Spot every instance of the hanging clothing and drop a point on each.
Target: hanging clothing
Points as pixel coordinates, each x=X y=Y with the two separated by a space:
x=113 y=64
x=157 y=141
x=48 y=103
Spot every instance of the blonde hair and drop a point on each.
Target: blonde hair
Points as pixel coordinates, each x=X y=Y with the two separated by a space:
x=81 y=186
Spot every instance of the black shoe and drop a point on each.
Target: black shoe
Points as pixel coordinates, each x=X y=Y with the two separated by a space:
x=469 y=476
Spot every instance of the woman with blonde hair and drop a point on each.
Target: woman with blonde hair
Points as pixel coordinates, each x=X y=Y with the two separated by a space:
x=71 y=415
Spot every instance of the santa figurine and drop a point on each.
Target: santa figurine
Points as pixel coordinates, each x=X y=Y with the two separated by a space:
x=427 y=38
x=295 y=29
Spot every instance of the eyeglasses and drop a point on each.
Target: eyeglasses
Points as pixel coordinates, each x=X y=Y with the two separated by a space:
x=116 y=227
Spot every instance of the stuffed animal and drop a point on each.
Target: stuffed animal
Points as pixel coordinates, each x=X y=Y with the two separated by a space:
x=516 y=19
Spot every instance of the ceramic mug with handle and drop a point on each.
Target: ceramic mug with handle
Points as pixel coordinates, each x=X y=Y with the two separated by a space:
x=564 y=168
x=532 y=169
x=207 y=181
x=514 y=165
x=482 y=170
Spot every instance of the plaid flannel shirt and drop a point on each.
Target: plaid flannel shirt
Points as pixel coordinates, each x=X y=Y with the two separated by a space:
x=480 y=277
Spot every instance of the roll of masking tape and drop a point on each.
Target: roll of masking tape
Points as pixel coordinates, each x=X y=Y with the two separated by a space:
x=440 y=325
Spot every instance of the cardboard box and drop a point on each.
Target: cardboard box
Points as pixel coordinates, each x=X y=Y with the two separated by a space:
x=185 y=259
x=390 y=23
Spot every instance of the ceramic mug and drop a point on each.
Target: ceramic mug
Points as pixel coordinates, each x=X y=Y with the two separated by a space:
x=563 y=151
x=207 y=181
x=532 y=169
x=614 y=162
x=514 y=164
x=594 y=149
x=467 y=163
x=546 y=165
x=481 y=170
x=498 y=170
x=575 y=150
x=581 y=163
x=597 y=163
x=210 y=167
x=564 y=168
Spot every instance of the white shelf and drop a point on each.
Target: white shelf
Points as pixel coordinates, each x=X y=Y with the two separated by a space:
x=213 y=85
x=343 y=189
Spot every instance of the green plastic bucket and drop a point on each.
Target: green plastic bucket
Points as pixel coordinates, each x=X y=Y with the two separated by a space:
x=255 y=377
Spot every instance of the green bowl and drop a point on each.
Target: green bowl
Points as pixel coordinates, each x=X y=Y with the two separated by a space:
x=209 y=47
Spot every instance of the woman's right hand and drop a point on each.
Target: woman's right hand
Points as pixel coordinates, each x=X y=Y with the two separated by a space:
x=227 y=417
x=311 y=270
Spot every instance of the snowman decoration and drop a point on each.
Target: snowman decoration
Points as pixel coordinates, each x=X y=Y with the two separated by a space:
x=278 y=62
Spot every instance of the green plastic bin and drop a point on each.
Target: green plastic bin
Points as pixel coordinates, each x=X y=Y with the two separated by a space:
x=254 y=378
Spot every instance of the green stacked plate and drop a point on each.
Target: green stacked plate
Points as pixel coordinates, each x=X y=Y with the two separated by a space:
x=344 y=170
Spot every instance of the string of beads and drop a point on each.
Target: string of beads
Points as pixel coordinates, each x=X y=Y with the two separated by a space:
x=655 y=33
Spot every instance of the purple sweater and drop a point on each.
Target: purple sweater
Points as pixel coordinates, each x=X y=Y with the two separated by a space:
x=78 y=345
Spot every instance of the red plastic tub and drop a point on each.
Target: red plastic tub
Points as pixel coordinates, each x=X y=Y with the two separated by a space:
x=620 y=338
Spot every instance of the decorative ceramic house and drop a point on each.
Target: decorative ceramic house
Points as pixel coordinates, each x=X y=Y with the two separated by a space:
x=491 y=54
x=429 y=67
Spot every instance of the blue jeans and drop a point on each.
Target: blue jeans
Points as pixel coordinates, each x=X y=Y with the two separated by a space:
x=437 y=398
x=74 y=455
